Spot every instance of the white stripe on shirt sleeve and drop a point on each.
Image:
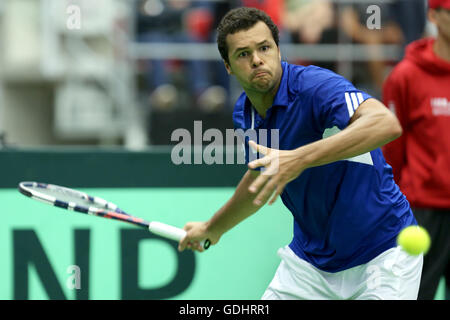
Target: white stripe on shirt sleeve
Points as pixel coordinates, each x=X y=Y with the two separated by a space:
x=354 y=100
x=349 y=104
x=360 y=97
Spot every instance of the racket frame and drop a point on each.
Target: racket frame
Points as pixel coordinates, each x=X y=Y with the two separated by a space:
x=107 y=209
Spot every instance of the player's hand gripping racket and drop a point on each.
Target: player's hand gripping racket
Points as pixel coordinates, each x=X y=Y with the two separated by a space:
x=74 y=200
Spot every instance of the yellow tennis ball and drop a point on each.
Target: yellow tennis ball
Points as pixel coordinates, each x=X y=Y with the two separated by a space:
x=414 y=240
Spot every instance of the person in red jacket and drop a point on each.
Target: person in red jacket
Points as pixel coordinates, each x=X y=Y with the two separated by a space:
x=418 y=92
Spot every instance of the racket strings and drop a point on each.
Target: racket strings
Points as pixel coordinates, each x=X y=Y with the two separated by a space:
x=70 y=199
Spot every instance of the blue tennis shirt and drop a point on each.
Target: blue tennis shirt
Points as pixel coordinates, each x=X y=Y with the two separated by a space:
x=346 y=212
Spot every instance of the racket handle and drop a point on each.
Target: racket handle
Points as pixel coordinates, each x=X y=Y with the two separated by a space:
x=171 y=232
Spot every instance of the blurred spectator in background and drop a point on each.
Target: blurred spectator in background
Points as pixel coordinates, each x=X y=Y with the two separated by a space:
x=311 y=22
x=274 y=8
x=353 y=21
x=179 y=21
x=308 y=19
x=418 y=92
x=411 y=17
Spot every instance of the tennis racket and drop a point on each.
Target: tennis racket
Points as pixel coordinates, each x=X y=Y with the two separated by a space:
x=78 y=201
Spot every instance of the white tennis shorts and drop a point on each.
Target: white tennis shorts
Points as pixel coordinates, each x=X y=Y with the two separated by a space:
x=393 y=275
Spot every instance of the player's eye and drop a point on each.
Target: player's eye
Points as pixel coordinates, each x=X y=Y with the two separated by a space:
x=243 y=54
x=264 y=48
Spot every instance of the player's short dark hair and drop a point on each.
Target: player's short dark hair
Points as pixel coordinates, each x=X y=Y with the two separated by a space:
x=239 y=19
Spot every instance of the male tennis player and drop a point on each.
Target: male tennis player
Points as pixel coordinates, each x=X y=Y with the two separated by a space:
x=329 y=172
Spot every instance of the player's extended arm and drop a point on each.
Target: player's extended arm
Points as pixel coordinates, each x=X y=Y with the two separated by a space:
x=237 y=208
x=371 y=127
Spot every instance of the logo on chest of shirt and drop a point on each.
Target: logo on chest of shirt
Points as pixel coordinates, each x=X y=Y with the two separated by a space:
x=440 y=106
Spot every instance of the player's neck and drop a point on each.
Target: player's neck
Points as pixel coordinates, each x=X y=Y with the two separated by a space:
x=263 y=101
x=441 y=47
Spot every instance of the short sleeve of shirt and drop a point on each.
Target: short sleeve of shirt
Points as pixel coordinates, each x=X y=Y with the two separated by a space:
x=334 y=99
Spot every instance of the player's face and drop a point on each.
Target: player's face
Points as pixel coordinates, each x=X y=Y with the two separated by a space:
x=254 y=58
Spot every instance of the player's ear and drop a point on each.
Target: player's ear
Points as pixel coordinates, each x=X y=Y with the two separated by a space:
x=228 y=67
